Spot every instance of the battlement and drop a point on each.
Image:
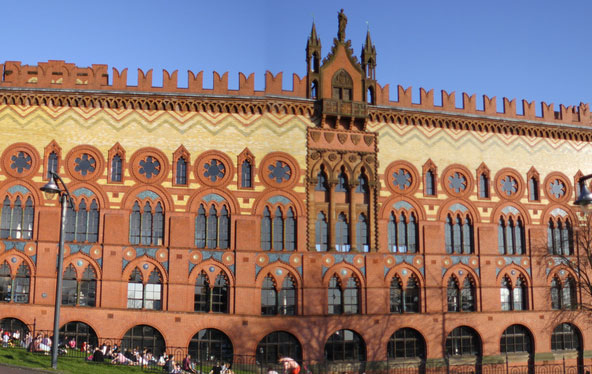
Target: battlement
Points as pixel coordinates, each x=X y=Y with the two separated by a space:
x=60 y=75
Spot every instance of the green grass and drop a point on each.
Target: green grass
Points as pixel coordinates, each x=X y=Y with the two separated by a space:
x=69 y=365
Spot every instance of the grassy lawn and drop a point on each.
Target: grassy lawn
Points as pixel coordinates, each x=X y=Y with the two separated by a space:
x=70 y=365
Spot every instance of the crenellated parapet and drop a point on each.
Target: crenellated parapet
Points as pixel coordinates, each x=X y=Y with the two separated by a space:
x=61 y=75
x=577 y=115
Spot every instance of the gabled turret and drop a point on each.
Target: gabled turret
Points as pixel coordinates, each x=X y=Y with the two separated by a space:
x=313 y=63
x=369 y=67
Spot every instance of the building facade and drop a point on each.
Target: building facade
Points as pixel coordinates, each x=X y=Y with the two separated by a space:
x=325 y=221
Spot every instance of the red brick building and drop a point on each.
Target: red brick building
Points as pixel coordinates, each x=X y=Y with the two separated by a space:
x=325 y=221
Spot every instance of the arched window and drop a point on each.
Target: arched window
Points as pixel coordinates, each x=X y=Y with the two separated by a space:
x=212 y=231
x=342 y=234
x=278 y=232
x=483 y=186
x=181 y=172
x=335 y=297
x=533 y=189
x=201 y=294
x=342 y=185
x=513 y=298
x=143 y=337
x=342 y=85
x=463 y=341
x=52 y=164
x=15 y=289
x=220 y=294
x=287 y=297
x=14 y=325
x=402 y=232
x=511 y=236
x=453 y=295
x=565 y=337
x=406 y=343
x=82 y=222
x=266 y=230
x=396 y=296
x=345 y=345
x=467 y=295
x=144 y=295
x=246 y=174
x=459 y=234
x=278 y=344
x=430 y=187
x=516 y=339
x=411 y=296
x=146 y=224
x=560 y=237
x=321 y=232
x=79 y=292
x=555 y=294
x=211 y=345
x=17 y=217
x=351 y=297
x=80 y=332
x=116 y=168
x=362 y=233
x=322 y=184
x=563 y=293
x=268 y=297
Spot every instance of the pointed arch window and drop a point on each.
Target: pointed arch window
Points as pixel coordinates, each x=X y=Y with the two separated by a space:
x=411 y=297
x=430 y=180
x=396 y=296
x=467 y=296
x=52 y=164
x=351 y=297
x=362 y=234
x=402 y=233
x=79 y=292
x=563 y=294
x=116 y=168
x=220 y=294
x=278 y=232
x=268 y=297
x=484 y=186
x=533 y=189
x=453 y=295
x=181 y=171
x=146 y=224
x=246 y=174
x=15 y=289
x=342 y=234
x=459 y=234
x=266 y=230
x=511 y=237
x=321 y=232
x=82 y=222
x=17 y=217
x=212 y=230
x=560 y=237
x=513 y=297
x=290 y=230
x=146 y=295
x=287 y=297
x=322 y=184
x=201 y=294
x=335 y=296
x=341 y=182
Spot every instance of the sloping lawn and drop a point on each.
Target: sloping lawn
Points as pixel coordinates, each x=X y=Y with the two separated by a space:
x=70 y=365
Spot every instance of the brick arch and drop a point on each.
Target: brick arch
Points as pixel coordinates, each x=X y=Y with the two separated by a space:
x=507 y=271
x=197 y=197
x=461 y=278
x=268 y=269
x=95 y=188
x=335 y=270
x=386 y=208
x=81 y=317
x=261 y=202
x=14 y=267
x=571 y=214
x=125 y=274
x=131 y=324
x=128 y=199
x=446 y=206
x=71 y=258
x=220 y=268
x=316 y=167
x=396 y=270
x=34 y=190
x=336 y=170
x=554 y=272
x=496 y=212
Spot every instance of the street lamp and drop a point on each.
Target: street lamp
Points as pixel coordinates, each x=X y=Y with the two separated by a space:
x=585 y=198
x=65 y=199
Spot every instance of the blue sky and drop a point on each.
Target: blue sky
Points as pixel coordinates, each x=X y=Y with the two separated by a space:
x=534 y=50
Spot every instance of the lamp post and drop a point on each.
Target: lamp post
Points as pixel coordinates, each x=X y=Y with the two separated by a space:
x=52 y=188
